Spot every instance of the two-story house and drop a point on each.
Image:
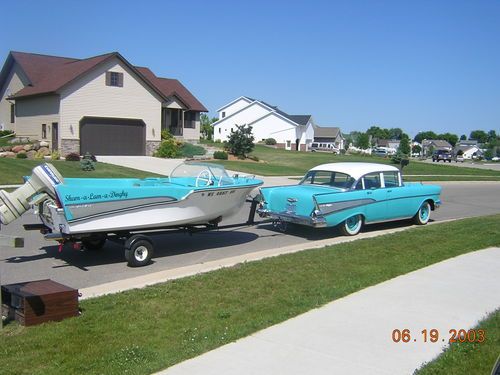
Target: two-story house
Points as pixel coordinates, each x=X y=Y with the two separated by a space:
x=291 y=132
x=102 y=104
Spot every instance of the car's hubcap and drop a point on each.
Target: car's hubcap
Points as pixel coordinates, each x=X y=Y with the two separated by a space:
x=424 y=212
x=141 y=253
x=353 y=223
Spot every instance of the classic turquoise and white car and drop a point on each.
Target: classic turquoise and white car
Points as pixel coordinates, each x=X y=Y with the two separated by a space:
x=349 y=195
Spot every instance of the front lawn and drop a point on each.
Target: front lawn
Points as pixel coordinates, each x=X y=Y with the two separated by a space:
x=280 y=162
x=13 y=170
x=146 y=330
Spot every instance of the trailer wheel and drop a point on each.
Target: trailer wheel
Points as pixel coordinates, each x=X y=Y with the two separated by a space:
x=94 y=243
x=139 y=252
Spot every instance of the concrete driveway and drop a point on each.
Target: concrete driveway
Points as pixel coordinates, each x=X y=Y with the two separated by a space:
x=143 y=163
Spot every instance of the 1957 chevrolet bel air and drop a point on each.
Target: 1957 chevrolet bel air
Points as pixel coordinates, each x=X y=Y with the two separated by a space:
x=349 y=195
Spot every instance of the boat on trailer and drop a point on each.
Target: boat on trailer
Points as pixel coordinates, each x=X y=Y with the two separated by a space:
x=89 y=210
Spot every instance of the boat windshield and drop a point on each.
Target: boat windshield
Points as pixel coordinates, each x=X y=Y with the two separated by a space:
x=214 y=174
x=328 y=178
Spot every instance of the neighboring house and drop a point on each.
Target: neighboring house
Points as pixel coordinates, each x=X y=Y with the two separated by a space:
x=102 y=104
x=330 y=135
x=388 y=143
x=468 y=142
x=435 y=144
x=468 y=152
x=291 y=132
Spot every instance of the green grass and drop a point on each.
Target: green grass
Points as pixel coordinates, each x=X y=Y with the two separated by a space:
x=5 y=142
x=146 y=330
x=469 y=358
x=13 y=170
x=280 y=162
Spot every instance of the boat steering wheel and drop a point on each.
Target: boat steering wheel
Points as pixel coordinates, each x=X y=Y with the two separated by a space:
x=205 y=176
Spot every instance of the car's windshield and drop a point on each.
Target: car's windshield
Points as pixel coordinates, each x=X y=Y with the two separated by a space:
x=328 y=178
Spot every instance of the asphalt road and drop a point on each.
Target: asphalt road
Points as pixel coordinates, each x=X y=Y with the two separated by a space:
x=40 y=259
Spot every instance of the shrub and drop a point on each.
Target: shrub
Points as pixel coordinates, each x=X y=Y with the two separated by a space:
x=188 y=150
x=165 y=134
x=240 y=142
x=4 y=133
x=253 y=157
x=39 y=155
x=21 y=155
x=169 y=148
x=221 y=155
x=55 y=155
x=73 y=156
x=401 y=159
x=87 y=162
x=270 y=141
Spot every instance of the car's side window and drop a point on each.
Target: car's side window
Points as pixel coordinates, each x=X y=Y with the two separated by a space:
x=372 y=181
x=359 y=185
x=391 y=179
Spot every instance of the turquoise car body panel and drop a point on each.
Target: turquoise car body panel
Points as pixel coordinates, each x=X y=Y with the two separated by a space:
x=330 y=206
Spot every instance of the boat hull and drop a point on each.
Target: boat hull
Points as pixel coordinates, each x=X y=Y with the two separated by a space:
x=198 y=207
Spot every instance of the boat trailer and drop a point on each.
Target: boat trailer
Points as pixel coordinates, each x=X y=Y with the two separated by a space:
x=138 y=245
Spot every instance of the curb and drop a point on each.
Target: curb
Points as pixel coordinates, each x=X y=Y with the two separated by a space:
x=200 y=268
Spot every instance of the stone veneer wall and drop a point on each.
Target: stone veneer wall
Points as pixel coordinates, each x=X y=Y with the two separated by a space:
x=73 y=145
x=69 y=145
x=151 y=147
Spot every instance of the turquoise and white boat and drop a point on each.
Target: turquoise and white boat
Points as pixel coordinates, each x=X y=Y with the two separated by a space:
x=193 y=194
x=350 y=195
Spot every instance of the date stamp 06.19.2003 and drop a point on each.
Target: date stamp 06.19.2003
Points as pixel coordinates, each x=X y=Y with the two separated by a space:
x=434 y=336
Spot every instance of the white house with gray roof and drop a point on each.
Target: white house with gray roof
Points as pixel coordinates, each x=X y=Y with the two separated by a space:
x=291 y=132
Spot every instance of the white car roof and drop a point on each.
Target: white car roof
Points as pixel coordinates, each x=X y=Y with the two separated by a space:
x=355 y=170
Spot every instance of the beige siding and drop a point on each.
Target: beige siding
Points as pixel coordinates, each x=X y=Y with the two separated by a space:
x=15 y=82
x=173 y=104
x=33 y=112
x=89 y=96
x=192 y=134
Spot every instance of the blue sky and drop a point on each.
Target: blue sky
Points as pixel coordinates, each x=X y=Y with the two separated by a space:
x=421 y=65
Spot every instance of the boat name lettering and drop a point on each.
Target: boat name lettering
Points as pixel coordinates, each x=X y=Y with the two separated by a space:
x=94 y=196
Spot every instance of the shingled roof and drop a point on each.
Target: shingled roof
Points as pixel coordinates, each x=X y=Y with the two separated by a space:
x=172 y=87
x=48 y=74
x=298 y=119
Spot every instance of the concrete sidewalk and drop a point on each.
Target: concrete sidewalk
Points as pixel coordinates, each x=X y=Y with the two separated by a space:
x=352 y=335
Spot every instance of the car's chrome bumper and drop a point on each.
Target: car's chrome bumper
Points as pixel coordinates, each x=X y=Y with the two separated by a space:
x=437 y=204
x=316 y=221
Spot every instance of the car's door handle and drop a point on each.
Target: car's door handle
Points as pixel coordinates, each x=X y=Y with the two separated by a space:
x=389 y=191
x=368 y=192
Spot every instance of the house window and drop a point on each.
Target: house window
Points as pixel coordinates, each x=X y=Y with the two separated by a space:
x=190 y=119
x=12 y=113
x=220 y=130
x=44 y=131
x=223 y=114
x=114 y=79
x=288 y=144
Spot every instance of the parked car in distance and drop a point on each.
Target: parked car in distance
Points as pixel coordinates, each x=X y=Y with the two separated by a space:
x=380 y=152
x=441 y=155
x=349 y=195
x=459 y=159
x=324 y=147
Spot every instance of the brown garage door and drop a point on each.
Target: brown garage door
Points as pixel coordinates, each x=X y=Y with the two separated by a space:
x=109 y=136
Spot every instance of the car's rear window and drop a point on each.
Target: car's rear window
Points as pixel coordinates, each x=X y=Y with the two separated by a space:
x=329 y=178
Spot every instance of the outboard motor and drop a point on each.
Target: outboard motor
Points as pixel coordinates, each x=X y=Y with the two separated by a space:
x=43 y=180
